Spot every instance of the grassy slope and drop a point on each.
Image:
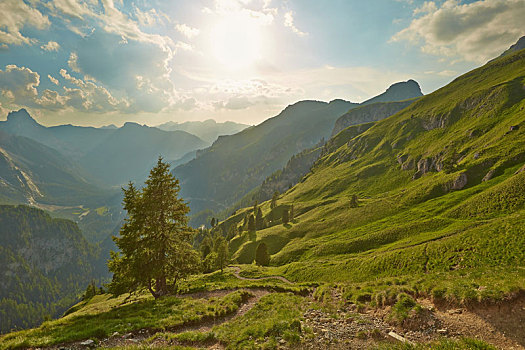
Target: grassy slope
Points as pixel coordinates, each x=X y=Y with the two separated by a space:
x=419 y=228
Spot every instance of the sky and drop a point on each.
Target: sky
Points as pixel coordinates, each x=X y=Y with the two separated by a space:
x=99 y=62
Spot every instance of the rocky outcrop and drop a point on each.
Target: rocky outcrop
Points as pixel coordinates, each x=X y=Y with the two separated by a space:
x=369 y=113
x=489 y=175
x=425 y=165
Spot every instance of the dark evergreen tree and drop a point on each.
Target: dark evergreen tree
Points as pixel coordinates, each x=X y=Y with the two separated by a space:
x=251 y=223
x=262 y=257
x=259 y=220
x=354 y=201
x=255 y=207
x=286 y=217
x=232 y=231
x=273 y=203
x=155 y=240
x=221 y=248
x=291 y=214
x=212 y=223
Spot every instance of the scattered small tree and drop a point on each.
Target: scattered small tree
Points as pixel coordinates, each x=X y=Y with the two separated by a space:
x=232 y=231
x=275 y=196
x=221 y=248
x=286 y=217
x=262 y=258
x=291 y=213
x=255 y=207
x=212 y=223
x=90 y=292
x=155 y=240
x=354 y=201
x=251 y=223
x=259 y=220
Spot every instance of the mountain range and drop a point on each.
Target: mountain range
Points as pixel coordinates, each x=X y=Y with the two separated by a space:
x=235 y=165
x=207 y=130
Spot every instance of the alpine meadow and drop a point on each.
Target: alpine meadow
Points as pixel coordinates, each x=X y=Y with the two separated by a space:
x=262 y=174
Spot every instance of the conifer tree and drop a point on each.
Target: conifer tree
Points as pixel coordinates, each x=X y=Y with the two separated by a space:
x=273 y=203
x=255 y=207
x=259 y=220
x=354 y=201
x=262 y=257
x=221 y=248
x=155 y=240
x=212 y=223
x=291 y=215
x=286 y=218
x=251 y=223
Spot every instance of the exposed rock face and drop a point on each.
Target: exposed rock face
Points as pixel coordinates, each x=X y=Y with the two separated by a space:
x=369 y=113
x=520 y=170
x=460 y=182
x=425 y=165
x=488 y=176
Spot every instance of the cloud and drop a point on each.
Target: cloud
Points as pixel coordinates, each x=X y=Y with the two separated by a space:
x=18 y=84
x=50 y=46
x=473 y=32
x=16 y=14
x=289 y=22
x=151 y=17
x=53 y=80
x=187 y=31
x=72 y=62
x=18 y=88
x=180 y=45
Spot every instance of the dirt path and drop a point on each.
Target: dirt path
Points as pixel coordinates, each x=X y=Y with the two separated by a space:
x=237 y=271
x=502 y=325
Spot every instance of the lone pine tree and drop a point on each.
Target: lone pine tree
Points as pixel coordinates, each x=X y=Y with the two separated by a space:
x=155 y=240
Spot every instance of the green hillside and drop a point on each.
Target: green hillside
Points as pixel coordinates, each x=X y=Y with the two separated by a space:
x=46 y=263
x=440 y=196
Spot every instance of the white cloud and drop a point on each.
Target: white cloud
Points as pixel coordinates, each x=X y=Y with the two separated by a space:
x=187 y=31
x=289 y=22
x=51 y=46
x=18 y=84
x=18 y=88
x=474 y=32
x=180 y=45
x=53 y=80
x=72 y=62
x=151 y=17
x=15 y=15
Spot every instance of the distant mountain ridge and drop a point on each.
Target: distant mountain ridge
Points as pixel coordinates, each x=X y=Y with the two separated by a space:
x=223 y=173
x=233 y=166
x=113 y=156
x=31 y=172
x=397 y=92
x=207 y=130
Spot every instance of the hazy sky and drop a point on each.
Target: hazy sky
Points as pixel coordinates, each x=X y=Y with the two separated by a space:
x=95 y=62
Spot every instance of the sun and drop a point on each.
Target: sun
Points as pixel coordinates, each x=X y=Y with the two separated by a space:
x=236 y=41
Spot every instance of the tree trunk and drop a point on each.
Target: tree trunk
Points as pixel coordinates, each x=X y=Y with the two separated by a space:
x=161 y=286
x=150 y=288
